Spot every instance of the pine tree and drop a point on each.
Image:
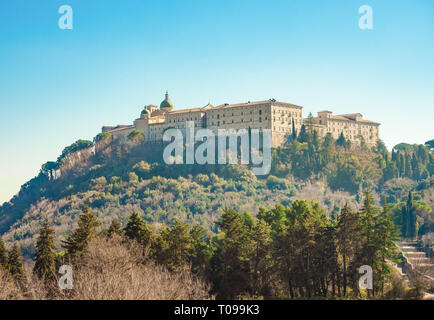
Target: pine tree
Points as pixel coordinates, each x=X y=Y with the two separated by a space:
x=15 y=265
x=200 y=254
x=45 y=254
x=229 y=265
x=139 y=230
x=386 y=237
x=3 y=255
x=115 y=228
x=86 y=230
x=174 y=246
x=348 y=235
x=261 y=259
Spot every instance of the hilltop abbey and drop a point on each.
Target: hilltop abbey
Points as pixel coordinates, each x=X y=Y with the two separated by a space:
x=281 y=117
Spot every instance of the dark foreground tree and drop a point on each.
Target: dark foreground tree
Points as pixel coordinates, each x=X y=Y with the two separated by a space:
x=45 y=255
x=139 y=230
x=15 y=265
x=86 y=230
x=115 y=228
x=3 y=255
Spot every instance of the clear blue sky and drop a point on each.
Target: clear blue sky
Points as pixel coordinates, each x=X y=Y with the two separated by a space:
x=57 y=86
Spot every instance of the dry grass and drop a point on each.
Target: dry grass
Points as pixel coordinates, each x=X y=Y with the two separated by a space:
x=110 y=269
x=8 y=289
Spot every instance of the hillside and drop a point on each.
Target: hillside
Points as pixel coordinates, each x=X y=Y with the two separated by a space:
x=114 y=179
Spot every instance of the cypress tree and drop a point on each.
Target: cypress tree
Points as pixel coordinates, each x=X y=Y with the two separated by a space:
x=85 y=231
x=411 y=216
x=45 y=254
x=404 y=222
x=303 y=136
x=294 y=132
x=341 y=140
x=408 y=170
x=3 y=255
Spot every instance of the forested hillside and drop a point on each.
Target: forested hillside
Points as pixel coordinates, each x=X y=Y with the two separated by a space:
x=114 y=179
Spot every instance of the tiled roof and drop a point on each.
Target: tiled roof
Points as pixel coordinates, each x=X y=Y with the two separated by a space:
x=247 y=104
x=346 y=117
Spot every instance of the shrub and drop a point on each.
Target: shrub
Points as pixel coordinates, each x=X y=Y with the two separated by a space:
x=274 y=183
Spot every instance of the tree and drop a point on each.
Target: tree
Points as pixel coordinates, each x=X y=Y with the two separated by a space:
x=174 y=246
x=294 y=131
x=139 y=230
x=15 y=265
x=303 y=136
x=261 y=259
x=430 y=144
x=86 y=230
x=200 y=254
x=3 y=255
x=115 y=228
x=136 y=136
x=341 y=140
x=387 y=235
x=347 y=235
x=229 y=265
x=45 y=254
x=408 y=218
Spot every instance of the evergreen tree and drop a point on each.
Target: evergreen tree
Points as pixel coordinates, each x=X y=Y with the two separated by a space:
x=401 y=165
x=411 y=217
x=15 y=265
x=303 y=136
x=348 y=235
x=341 y=140
x=229 y=265
x=261 y=259
x=387 y=236
x=115 y=228
x=174 y=246
x=328 y=140
x=315 y=140
x=294 y=131
x=3 y=255
x=45 y=254
x=139 y=230
x=408 y=170
x=86 y=230
x=200 y=253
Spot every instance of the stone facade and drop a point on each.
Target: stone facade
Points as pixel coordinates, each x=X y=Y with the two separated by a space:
x=353 y=126
x=280 y=117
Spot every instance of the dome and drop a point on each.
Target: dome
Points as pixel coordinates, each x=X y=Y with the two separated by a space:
x=167 y=103
x=145 y=111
